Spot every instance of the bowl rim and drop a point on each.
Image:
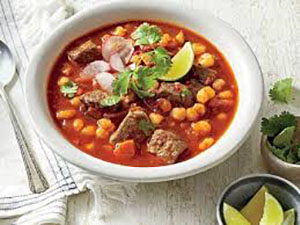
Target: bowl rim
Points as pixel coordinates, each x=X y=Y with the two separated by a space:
x=249 y=176
x=140 y=174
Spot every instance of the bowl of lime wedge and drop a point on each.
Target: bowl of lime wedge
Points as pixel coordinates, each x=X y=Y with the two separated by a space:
x=259 y=199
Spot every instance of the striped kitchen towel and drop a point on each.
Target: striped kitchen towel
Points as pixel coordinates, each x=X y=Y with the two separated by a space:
x=23 y=25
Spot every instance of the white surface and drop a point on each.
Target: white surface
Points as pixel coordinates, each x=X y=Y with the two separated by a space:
x=230 y=43
x=272 y=30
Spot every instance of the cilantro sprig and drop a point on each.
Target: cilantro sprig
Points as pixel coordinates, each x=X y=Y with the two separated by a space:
x=69 y=89
x=282 y=90
x=146 y=126
x=162 y=60
x=146 y=34
x=272 y=126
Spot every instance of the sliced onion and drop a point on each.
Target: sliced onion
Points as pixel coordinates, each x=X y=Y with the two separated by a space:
x=105 y=80
x=131 y=66
x=116 y=62
x=116 y=44
x=94 y=68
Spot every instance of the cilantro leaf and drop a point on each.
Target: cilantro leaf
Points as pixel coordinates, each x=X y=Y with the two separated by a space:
x=185 y=92
x=69 y=89
x=272 y=126
x=146 y=126
x=284 y=138
x=111 y=100
x=121 y=84
x=162 y=60
x=142 y=81
x=282 y=90
x=281 y=153
x=146 y=34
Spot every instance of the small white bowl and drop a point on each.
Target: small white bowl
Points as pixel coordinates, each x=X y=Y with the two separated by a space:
x=223 y=36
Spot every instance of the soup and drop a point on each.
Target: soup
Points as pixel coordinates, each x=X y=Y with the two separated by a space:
x=142 y=93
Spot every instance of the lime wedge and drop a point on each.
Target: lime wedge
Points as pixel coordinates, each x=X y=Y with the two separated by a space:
x=289 y=217
x=233 y=216
x=181 y=63
x=254 y=209
x=273 y=213
x=285 y=137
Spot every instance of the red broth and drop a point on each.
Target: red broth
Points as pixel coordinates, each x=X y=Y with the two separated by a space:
x=218 y=116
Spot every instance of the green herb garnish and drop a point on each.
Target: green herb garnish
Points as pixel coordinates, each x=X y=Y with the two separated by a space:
x=69 y=89
x=142 y=81
x=282 y=90
x=185 y=92
x=162 y=60
x=146 y=126
x=111 y=100
x=280 y=130
x=272 y=126
x=121 y=84
x=146 y=34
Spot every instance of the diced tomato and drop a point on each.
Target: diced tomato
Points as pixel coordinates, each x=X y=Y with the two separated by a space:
x=125 y=149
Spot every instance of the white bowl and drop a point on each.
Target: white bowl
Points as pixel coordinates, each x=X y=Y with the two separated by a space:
x=223 y=36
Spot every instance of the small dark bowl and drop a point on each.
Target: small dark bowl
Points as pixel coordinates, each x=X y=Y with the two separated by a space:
x=242 y=190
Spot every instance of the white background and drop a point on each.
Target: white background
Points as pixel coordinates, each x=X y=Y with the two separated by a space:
x=272 y=28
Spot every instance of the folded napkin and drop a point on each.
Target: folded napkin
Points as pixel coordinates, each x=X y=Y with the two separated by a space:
x=23 y=25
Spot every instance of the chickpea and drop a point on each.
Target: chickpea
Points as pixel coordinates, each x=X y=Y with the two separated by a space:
x=89 y=130
x=156 y=118
x=89 y=146
x=178 y=113
x=166 y=38
x=200 y=108
x=75 y=101
x=218 y=84
x=206 y=60
x=78 y=124
x=222 y=116
x=225 y=94
x=202 y=127
x=192 y=114
x=180 y=38
x=165 y=105
x=206 y=143
x=63 y=80
x=101 y=133
x=120 y=31
x=205 y=94
x=65 y=114
x=106 y=124
x=198 y=49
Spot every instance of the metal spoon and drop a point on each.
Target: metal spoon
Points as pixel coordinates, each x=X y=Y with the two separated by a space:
x=37 y=181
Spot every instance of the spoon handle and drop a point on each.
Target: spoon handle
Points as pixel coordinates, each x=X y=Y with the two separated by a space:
x=36 y=179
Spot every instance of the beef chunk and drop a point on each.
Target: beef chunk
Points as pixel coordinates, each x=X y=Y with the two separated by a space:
x=205 y=75
x=166 y=145
x=85 y=53
x=91 y=104
x=177 y=93
x=93 y=98
x=218 y=104
x=130 y=128
x=194 y=86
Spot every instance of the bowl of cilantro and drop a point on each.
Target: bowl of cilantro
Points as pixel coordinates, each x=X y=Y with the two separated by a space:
x=280 y=145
